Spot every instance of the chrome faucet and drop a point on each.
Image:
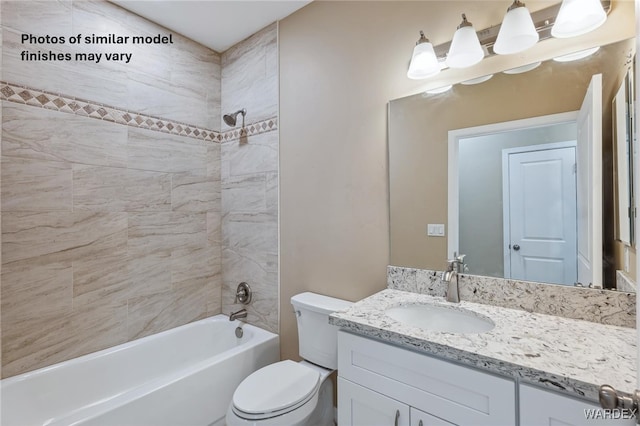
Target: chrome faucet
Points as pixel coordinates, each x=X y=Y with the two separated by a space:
x=450 y=277
x=242 y=313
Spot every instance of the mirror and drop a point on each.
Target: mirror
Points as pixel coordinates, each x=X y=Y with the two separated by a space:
x=419 y=128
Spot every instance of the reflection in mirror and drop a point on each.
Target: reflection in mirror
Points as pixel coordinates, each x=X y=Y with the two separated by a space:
x=622 y=107
x=521 y=186
x=419 y=128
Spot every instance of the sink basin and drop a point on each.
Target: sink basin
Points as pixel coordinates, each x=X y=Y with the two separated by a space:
x=440 y=318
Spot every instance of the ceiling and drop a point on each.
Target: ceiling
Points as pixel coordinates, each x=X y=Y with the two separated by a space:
x=217 y=24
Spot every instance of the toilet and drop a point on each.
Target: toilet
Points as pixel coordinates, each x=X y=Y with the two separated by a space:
x=295 y=393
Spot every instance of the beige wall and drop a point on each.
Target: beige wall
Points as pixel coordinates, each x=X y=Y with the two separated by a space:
x=108 y=225
x=340 y=63
x=250 y=178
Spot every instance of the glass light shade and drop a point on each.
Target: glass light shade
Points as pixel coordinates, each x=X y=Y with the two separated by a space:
x=465 y=49
x=424 y=62
x=517 y=32
x=576 y=56
x=439 y=90
x=577 y=17
x=477 y=80
x=523 y=68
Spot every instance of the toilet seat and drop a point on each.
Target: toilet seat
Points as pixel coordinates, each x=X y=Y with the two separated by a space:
x=275 y=390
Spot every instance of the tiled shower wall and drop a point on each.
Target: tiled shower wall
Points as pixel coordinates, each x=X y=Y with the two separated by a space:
x=250 y=178
x=110 y=215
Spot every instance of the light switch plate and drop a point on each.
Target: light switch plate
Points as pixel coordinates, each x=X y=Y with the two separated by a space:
x=435 y=230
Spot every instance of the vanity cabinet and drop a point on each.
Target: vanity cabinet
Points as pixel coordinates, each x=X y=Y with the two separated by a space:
x=383 y=384
x=391 y=381
x=542 y=407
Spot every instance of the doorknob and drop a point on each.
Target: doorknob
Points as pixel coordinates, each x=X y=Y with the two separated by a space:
x=516 y=247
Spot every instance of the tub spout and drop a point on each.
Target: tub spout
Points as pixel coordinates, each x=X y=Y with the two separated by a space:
x=242 y=313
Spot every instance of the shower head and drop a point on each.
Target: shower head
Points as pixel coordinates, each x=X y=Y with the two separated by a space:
x=230 y=119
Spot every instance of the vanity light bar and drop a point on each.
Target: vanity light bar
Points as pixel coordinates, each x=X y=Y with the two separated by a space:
x=543 y=20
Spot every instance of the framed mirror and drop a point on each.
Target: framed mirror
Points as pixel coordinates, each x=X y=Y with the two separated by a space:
x=420 y=172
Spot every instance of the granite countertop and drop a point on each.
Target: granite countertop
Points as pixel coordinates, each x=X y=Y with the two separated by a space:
x=566 y=355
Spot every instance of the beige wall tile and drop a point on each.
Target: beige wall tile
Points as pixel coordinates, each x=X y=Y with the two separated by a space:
x=194 y=193
x=28 y=18
x=193 y=266
x=151 y=314
x=98 y=188
x=156 y=98
x=38 y=133
x=36 y=185
x=258 y=155
x=117 y=263
x=149 y=273
x=85 y=80
x=35 y=287
x=245 y=193
x=63 y=236
x=162 y=231
x=249 y=76
x=46 y=339
x=149 y=150
x=214 y=228
x=102 y=278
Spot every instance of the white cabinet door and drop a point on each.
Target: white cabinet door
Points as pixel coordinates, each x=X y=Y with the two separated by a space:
x=420 y=418
x=539 y=407
x=359 y=406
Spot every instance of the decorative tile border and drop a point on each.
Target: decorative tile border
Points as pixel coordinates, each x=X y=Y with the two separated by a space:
x=72 y=105
x=251 y=129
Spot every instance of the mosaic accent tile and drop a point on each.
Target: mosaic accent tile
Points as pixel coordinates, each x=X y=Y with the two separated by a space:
x=67 y=104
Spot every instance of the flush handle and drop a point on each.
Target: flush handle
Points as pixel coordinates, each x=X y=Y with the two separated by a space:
x=395 y=423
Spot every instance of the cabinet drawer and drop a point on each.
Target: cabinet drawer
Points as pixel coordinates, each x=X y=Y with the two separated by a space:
x=359 y=406
x=542 y=407
x=420 y=418
x=457 y=394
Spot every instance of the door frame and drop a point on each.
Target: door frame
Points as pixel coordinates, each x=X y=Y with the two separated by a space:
x=506 y=205
x=453 y=161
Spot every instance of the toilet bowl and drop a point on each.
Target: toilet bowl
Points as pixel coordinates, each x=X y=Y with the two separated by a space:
x=295 y=393
x=284 y=393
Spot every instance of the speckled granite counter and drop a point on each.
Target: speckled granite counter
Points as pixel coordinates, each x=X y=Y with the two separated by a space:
x=562 y=354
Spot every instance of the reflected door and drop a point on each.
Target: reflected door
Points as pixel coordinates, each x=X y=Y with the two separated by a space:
x=540 y=214
x=590 y=185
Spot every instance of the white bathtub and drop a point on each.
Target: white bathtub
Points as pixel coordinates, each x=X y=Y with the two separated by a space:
x=183 y=376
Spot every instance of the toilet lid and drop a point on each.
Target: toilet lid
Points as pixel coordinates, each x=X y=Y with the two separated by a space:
x=275 y=387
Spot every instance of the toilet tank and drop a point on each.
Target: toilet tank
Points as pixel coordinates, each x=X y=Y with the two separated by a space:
x=317 y=339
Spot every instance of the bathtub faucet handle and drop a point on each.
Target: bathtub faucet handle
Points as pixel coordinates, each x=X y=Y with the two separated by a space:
x=243 y=293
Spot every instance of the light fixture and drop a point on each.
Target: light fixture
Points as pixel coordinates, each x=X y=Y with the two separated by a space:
x=477 y=80
x=523 y=68
x=465 y=49
x=577 y=17
x=439 y=90
x=517 y=32
x=575 y=56
x=424 y=62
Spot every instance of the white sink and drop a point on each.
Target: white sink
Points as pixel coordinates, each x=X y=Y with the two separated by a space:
x=450 y=319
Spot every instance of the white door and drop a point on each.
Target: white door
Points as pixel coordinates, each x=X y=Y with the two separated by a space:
x=589 y=179
x=540 y=213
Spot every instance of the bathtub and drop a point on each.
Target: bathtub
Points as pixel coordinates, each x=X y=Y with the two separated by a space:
x=183 y=376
